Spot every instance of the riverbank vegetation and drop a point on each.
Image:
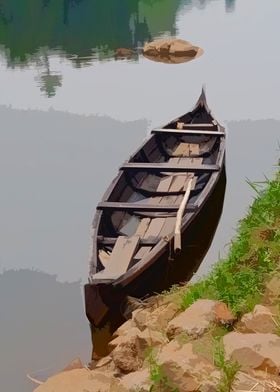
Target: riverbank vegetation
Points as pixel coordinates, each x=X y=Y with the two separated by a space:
x=254 y=255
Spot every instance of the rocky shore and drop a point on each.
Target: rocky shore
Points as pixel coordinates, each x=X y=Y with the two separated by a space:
x=204 y=348
x=219 y=334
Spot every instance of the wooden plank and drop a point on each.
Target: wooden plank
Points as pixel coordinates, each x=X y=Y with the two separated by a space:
x=154 y=228
x=142 y=227
x=182 y=149
x=109 y=241
x=138 y=207
x=197 y=132
x=168 y=167
x=203 y=126
x=194 y=149
x=164 y=184
x=142 y=252
x=121 y=256
x=104 y=256
x=168 y=227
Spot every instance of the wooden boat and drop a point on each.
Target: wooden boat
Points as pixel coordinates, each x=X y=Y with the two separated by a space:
x=155 y=199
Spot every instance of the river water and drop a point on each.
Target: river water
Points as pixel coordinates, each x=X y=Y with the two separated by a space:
x=71 y=112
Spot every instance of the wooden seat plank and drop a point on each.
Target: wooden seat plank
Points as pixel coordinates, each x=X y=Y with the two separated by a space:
x=182 y=149
x=168 y=167
x=198 y=132
x=134 y=207
x=110 y=241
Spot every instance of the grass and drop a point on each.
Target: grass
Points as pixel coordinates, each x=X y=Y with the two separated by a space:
x=239 y=280
x=228 y=368
x=159 y=380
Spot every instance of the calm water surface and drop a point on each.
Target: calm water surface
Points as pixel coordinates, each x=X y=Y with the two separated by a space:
x=71 y=112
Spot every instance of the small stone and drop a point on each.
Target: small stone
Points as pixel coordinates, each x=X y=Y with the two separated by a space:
x=195 y=320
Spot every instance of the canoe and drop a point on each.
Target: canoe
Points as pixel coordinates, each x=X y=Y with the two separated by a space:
x=159 y=194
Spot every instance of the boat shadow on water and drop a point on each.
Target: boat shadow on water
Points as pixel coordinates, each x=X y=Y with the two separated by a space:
x=169 y=270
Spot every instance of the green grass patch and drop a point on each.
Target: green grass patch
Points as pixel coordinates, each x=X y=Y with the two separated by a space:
x=239 y=280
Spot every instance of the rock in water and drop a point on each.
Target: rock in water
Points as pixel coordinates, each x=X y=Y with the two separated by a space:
x=171 y=50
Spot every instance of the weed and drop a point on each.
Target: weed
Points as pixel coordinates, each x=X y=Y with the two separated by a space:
x=227 y=367
x=159 y=380
x=276 y=320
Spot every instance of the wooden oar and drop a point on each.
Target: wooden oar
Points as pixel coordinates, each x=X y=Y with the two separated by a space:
x=179 y=217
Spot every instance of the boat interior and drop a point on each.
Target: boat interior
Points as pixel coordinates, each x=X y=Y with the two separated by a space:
x=142 y=207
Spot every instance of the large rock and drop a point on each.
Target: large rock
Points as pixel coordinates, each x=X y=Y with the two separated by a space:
x=179 y=47
x=137 y=381
x=130 y=350
x=124 y=328
x=186 y=370
x=260 y=351
x=161 y=316
x=79 y=380
x=126 y=356
x=124 y=52
x=149 y=338
x=246 y=382
x=172 y=46
x=260 y=320
x=171 y=50
x=140 y=318
x=199 y=317
x=129 y=335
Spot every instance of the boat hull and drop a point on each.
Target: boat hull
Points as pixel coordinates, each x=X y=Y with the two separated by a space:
x=105 y=303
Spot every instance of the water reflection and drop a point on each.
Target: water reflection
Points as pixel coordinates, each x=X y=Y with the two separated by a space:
x=48 y=80
x=84 y=28
x=230 y=5
x=42 y=327
x=81 y=27
x=202 y=4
